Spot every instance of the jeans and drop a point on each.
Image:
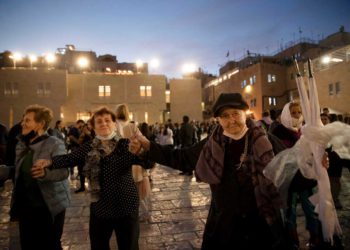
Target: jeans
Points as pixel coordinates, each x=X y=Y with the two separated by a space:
x=312 y=223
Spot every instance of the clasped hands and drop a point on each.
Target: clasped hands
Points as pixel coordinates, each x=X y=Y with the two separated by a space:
x=38 y=169
x=138 y=144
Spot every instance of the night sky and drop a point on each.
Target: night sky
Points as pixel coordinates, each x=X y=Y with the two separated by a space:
x=176 y=32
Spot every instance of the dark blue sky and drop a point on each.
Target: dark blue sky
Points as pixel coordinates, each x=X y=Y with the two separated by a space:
x=176 y=32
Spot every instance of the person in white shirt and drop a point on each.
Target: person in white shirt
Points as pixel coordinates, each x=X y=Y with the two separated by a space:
x=165 y=136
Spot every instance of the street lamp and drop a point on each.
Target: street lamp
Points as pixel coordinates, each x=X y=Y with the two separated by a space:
x=154 y=63
x=188 y=68
x=139 y=65
x=248 y=89
x=83 y=62
x=326 y=59
x=50 y=58
x=32 y=59
x=16 y=57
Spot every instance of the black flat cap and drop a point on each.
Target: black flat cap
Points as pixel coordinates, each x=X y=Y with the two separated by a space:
x=233 y=100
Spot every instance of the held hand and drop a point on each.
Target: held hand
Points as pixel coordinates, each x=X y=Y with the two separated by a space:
x=325 y=160
x=38 y=172
x=43 y=163
x=38 y=169
x=138 y=144
x=135 y=146
x=145 y=143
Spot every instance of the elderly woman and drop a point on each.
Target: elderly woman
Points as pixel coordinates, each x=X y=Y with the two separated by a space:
x=300 y=187
x=244 y=209
x=107 y=163
x=39 y=201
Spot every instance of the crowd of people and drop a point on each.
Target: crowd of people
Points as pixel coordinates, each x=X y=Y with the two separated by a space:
x=114 y=156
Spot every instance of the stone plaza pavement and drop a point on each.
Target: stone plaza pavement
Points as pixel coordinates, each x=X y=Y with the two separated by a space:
x=178 y=214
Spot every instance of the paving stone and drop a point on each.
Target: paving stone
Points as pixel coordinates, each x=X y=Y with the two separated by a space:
x=177 y=218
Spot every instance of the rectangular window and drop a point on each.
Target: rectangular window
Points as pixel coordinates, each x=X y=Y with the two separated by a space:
x=107 y=90
x=104 y=90
x=252 y=80
x=243 y=83
x=47 y=89
x=167 y=96
x=330 y=89
x=15 y=88
x=271 y=78
x=43 y=89
x=337 y=88
x=11 y=88
x=40 y=89
x=101 y=90
x=145 y=91
x=148 y=90
x=272 y=101
x=8 y=88
x=142 y=91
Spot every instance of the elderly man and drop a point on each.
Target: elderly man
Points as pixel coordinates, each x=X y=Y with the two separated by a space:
x=245 y=206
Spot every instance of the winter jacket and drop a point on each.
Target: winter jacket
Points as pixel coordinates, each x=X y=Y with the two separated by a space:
x=54 y=184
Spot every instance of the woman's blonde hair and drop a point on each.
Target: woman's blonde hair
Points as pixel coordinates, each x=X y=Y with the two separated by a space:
x=122 y=112
x=294 y=104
